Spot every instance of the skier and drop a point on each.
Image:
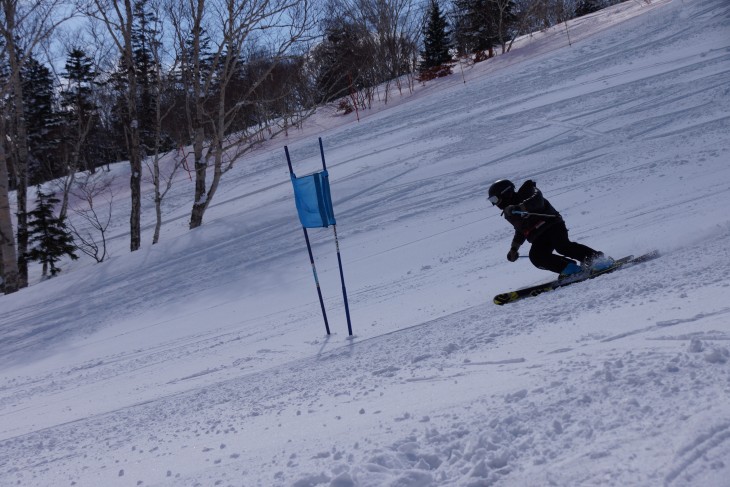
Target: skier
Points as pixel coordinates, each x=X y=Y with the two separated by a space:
x=536 y=221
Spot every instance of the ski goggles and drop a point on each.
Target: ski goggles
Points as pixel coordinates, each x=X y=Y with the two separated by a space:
x=493 y=199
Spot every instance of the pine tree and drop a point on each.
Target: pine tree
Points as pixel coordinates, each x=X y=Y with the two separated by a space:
x=145 y=42
x=80 y=111
x=343 y=60
x=436 y=39
x=480 y=25
x=43 y=123
x=585 y=7
x=472 y=26
x=49 y=238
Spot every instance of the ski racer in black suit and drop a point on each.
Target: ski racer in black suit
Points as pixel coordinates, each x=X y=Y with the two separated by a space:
x=536 y=221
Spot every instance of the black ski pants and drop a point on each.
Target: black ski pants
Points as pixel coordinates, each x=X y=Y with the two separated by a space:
x=555 y=239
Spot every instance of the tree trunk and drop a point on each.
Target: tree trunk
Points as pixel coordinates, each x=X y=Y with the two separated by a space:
x=158 y=221
x=134 y=147
x=9 y=263
x=200 y=203
x=21 y=164
x=68 y=183
x=135 y=230
x=120 y=29
x=211 y=114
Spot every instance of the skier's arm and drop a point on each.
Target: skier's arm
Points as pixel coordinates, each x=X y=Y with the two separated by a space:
x=518 y=240
x=513 y=253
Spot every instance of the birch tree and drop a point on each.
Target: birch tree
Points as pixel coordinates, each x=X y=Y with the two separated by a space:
x=9 y=262
x=233 y=27
x=118 y=17
x=23 y=27
x=505 y=22
x=150 y=55
x=395 y=25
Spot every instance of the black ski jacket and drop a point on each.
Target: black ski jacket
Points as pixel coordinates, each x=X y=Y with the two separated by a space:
x=530 y=199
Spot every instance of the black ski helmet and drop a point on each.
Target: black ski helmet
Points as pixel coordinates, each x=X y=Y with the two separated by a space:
x=500 y=189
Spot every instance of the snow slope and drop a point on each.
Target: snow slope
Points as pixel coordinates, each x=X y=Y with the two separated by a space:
x=203 y=360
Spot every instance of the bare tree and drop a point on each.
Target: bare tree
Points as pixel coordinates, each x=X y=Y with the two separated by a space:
x=91 y=237
x=528 y=17
x=162 y=179
x=118 y=18
x=160 y=87
x=504 y=22
x=207 y=76
x=546 y=13
x=395 y=26
x=23 y=27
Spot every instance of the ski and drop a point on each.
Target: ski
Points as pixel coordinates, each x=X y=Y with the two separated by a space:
x=512 y=296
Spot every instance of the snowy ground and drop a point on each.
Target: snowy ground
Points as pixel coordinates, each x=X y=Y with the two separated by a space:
x=203 y=360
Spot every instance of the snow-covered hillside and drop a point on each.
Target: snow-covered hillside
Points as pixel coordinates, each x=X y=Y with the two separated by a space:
x=203 y=360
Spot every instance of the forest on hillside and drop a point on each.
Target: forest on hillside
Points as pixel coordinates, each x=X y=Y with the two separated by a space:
x=84 y=83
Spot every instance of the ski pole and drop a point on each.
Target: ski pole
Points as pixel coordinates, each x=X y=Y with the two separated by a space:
x=339 y=258
x=527 y=213
x=311 y=256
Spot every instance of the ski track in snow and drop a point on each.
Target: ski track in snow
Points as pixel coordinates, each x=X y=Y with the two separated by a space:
x=619 y=391
x=200 y=361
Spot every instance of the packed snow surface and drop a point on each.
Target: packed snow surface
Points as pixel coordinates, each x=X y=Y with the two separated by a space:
x=203 y=360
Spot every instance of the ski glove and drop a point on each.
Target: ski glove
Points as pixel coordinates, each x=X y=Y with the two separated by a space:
x=513 y=255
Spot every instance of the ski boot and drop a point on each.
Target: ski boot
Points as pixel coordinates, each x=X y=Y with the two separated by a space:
x=570 y=271
x=600 y=263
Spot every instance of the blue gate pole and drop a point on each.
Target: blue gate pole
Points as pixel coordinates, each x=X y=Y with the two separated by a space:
x=339 y=259
x=311 y=256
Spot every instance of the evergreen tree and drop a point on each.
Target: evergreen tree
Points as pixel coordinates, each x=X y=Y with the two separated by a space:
x=480 y=25
x=435 y=39
x=145 y=43
x=117 y=116
x=43 y=123
x=585 y=7
x=343 y=60
x=80 y=111
x=49 y=238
